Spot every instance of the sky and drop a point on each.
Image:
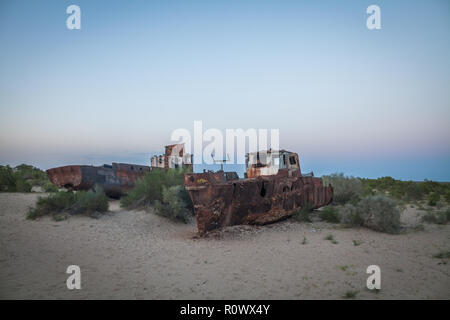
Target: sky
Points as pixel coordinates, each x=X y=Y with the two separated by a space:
x=367 y=103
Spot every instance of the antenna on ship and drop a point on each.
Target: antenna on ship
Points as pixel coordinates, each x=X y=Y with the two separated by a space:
x=220 y=161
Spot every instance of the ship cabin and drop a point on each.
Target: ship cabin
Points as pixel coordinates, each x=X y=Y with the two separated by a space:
x=269 y=162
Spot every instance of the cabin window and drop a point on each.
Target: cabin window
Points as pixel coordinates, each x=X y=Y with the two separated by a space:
x=292 y=160
x=132 y=168
x=276 y=161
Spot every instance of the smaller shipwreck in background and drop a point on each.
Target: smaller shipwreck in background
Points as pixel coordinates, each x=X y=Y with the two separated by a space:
x=273 y=189
x=115 y=179
x=174 y=157
x=118 y=178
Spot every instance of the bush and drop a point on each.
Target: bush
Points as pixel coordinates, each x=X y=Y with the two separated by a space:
x=356 y=243
x=447 y=196
x=406 y=190
x=175 y=204
x=150 y=188
x=350 y=215
x=413 y=192
x=380 y=213
x=377 y=212
x=89 y=202
x=346 y=189
x=21 y=178
x=433 y=198
x=442 y=255
x=74 y=203
x=429 y=186
x=440 y=217
x=165 y=191
x=329 y=214
x=350 y=294
x=22 y=185
x=50 y=187
x=331 y=238
x=51 y=205
x=7 y=179
x=302 y=215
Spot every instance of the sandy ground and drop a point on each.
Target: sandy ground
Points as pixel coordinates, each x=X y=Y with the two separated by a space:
x=138 y=255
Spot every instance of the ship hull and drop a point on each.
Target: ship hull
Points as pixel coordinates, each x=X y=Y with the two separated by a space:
x=219 y=202
x=115 y=180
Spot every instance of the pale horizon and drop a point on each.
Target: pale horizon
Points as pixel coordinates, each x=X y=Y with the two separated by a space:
x=368 y=103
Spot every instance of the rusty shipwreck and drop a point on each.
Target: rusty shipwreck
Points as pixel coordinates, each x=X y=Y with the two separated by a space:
x=115 y=179
x=273 y=189
x=118 y=178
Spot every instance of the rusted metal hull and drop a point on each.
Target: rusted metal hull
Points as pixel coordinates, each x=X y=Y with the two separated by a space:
x=219 y=202
x=115 y=180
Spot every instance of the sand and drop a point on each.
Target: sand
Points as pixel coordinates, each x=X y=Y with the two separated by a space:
x=138 y=255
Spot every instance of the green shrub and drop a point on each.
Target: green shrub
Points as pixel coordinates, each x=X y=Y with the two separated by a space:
x=22 y=185
x=442 y=255
x=447 y=214
x=175 y=204
x=50 y=187
x=413 y=192
x=165 y=191
x=89 y=202
x=439 y=217
x=429 y=186
x=406 y=190
x=74 y=203
x=52 y=204
x=380 y=213
x=346 y=189
x=433 y=198
x=447 y=196
x=303 y=214
x=377 y=212
x=329 y=214
x=21 y=178
x=150 y=188
x=331 y=238
x=7 y=179
x=351 y=294
x=350 y=215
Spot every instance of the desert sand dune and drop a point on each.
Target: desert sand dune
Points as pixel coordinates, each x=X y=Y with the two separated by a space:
x=138 y=255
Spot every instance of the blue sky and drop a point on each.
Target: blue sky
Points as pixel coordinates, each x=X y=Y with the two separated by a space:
x=347 y=99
